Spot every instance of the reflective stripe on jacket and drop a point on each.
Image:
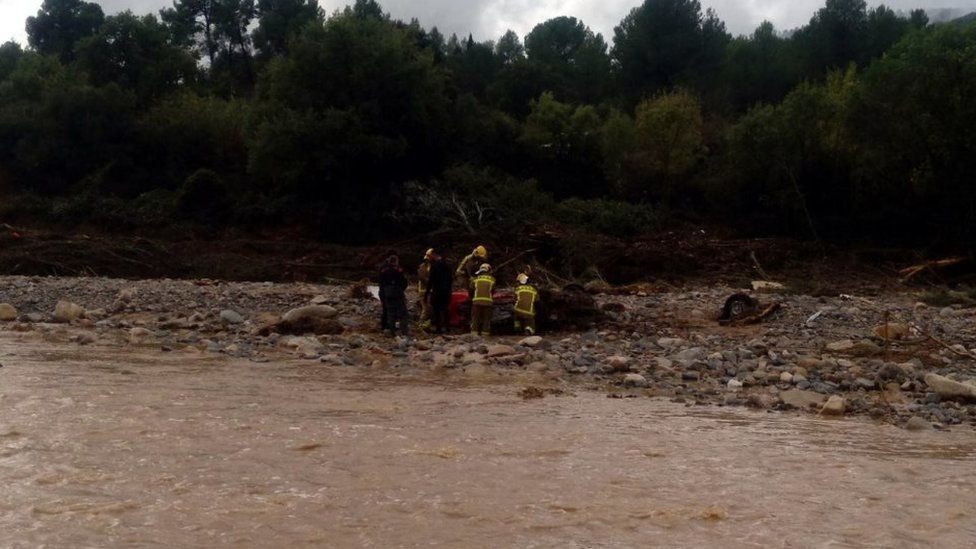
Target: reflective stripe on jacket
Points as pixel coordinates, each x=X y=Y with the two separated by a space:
x=525 y=298
x=483 y=285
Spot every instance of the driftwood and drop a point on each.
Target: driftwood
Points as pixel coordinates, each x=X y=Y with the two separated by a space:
x=929 y=266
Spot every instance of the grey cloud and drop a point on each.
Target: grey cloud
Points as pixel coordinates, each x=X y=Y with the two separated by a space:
x=488 y=19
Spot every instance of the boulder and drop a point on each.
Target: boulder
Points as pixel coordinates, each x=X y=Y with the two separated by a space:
x=796 y=398
x=918 y=424
x=229 y=316
x=948 y=388
x=635 y=380
x=139 y=335
x=531 y=341
x=835 y=406
x=310 y=312
x=500 y=350
x=312 y=319
x=618 y=363
x=840 y=346
x=66 y=311
x=734 y=385
x=7 y=312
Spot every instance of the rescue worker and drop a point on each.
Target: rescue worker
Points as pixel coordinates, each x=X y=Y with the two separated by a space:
x=423 y=280
x=393 y=287
x=482 y=300
x=438 y=293
x=526 y=297
x=468 y=267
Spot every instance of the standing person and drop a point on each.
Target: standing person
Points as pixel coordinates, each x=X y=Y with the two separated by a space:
x=438 y=293
x=468 y=267
x=526 y=297
x=423 y=282
x=482 y=300
x=393 y=287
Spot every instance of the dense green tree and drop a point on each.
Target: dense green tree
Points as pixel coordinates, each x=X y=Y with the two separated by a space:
x=378 y=116
x=135 y=53
x=56 y=129
x=572 y=56
x=913 y=120
x=757 y=69
x=509 y=48
x=665 y=43
x=280 y=20
x=565 y=143
x=10 y=55
x=59 y=24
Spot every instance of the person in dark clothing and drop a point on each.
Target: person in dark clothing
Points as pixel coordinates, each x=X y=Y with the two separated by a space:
x=393 y=285
x=438 y=292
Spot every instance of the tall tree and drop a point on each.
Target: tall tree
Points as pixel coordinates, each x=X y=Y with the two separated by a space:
x=279 y=21
x=664 y=43
x=574 y=57
x=135 y=53
x=60 y=24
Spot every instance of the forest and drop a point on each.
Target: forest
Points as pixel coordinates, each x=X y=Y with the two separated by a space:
x=354 y=127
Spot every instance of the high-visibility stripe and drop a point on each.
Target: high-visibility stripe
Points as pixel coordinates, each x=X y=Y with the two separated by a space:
x=523 y=294
x=483 y=286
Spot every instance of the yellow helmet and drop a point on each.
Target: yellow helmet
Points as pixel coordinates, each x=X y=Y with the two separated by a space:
x=429 y=254
x=481 y=252
x=523 y=278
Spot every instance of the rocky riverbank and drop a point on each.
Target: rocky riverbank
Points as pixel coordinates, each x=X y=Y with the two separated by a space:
x=887 y=356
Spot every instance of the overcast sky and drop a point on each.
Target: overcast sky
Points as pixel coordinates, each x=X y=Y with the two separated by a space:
x=490 y=18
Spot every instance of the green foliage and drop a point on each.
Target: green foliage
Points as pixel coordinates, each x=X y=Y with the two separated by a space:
x=203 y=197
x=135 y=53
x=613 y=218
x=282 y=20
x=857 y=125
x=60 y=24
x=666 y=43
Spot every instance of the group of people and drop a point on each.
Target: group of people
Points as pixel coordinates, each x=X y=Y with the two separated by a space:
x=435 y=285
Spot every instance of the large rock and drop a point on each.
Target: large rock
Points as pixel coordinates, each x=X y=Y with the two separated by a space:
x=230 y=316
x=635 y=380
x=531 y=341
x=835 y=406
x=694 y=353
x=311 y=311
x=7 y=312
x=313 y=319
x=66 y=311
x=840 y=346
x=948 y=388
x=803 y=400
x=139 y=335
x=618 y=363
x=500 y=350
x=917 y=424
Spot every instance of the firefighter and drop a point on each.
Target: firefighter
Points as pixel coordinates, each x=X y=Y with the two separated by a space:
x=423 y=281
x=526 y=297
x=468 y=267
x=482 y=301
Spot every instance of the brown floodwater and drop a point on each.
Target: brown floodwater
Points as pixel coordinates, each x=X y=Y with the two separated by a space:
x=118 y=448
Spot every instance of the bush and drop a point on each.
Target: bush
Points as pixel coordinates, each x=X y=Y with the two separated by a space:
x=203 y=197
x=609 y=217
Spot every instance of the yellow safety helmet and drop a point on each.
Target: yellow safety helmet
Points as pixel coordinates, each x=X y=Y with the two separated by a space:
x=429 y=253
x=484 y=268
x=480 y=251
x=523 y=278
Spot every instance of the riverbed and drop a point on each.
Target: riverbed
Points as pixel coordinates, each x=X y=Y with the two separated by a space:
x=108 y=447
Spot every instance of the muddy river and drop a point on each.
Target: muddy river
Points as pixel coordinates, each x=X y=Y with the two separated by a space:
x=115 y=448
